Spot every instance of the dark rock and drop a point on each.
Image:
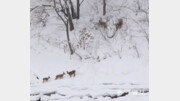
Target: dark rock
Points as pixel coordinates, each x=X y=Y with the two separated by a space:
x=124 y=94
x=49 y=94
x=39 y=99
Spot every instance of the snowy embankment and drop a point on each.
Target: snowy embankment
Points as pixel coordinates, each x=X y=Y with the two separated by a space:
x=106 y=68
x=111 y=76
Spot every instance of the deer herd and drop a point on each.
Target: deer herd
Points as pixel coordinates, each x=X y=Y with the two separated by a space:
x=60 y=76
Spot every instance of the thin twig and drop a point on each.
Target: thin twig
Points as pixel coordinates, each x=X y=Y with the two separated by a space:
x=81 y=2
x=58 y=13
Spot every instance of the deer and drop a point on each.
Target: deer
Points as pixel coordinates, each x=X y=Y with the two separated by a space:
x=103 y=24
x=72 y=73
x=60 y=76
x=119 y=24
x=46 y=79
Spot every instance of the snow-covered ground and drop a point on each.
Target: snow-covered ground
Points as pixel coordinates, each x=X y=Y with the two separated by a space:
x=111 y=76
x=108 y=68
x=57 y=97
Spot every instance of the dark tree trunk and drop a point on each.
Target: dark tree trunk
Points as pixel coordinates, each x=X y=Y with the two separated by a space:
x=104 y=7
x=68 y=39
x=72 y=10
x=66 y=25
x=69 y=18
x=78 y=9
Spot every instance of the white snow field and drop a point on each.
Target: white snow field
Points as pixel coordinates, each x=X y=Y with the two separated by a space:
x=111 y=76
x=107 y=69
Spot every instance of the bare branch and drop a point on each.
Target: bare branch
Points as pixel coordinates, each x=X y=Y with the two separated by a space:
x=58 y=13
x=81 y=2
x=62 y=8
x=31 y=9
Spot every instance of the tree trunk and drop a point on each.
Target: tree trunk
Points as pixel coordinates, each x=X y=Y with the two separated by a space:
x=68 y=39
x=66 y=25
x=70 y=19
x=78 y=9
x=72 y=10
x=104 y=7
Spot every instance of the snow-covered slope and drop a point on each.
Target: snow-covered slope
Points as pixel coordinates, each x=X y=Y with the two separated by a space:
x=103 y=65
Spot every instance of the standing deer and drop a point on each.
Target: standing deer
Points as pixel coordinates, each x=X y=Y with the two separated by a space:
x=72 y=73
x=46 y=79
x=60 y=76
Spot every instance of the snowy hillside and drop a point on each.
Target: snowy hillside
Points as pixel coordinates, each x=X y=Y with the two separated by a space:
x=110 y=52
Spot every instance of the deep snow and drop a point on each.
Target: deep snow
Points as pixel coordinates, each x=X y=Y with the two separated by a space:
x=114 y=66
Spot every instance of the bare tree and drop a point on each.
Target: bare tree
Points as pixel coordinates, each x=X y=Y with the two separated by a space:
x=69 y=15
x=62 y=8
x=78 y=8
x=104 y=7
x=72 y=10
x=66 y=21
